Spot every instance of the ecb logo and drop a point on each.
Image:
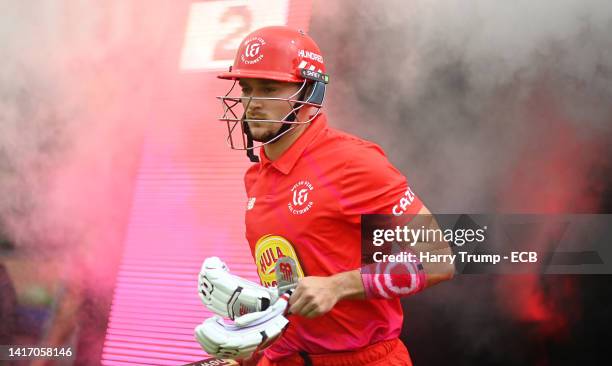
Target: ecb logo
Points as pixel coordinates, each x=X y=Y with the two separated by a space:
x=252 y=50
x=300 y=202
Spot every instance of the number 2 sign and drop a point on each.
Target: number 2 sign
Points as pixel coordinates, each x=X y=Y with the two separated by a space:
x=215 y=29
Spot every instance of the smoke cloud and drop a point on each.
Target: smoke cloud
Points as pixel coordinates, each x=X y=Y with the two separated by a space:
x=462 y=95
x=486 y=106
x=77 y=84
x=72 y=86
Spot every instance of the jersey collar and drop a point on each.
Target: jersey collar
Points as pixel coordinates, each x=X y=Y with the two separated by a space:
x=289 y=158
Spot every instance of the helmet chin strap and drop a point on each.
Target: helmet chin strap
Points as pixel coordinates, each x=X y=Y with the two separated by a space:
x=249 y=150
x=249 y=137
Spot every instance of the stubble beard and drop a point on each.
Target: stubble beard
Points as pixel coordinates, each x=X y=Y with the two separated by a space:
x=263 y=135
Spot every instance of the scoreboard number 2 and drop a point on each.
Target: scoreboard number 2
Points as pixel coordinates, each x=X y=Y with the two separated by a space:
x=215 y=28
x=223 y=49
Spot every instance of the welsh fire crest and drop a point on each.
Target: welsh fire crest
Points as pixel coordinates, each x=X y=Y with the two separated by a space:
x=301 y=197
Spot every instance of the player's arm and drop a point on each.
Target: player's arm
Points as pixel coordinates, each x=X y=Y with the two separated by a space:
x=315 y=296
x=371 y=184
x=434 y=272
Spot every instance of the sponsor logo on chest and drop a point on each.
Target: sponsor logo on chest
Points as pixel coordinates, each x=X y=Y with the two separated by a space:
x=301 y=194
x=268 y=250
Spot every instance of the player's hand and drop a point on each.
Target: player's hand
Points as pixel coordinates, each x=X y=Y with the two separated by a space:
x=314 y=296
x=241 y=341
x=229 y=295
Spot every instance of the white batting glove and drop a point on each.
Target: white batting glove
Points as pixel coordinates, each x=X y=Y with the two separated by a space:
x=234 y=341
x=229 y=295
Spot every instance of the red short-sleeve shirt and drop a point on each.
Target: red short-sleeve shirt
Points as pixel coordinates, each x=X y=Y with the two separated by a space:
x=307 y=205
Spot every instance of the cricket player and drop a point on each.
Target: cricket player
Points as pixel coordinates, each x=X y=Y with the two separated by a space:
x=306 y=192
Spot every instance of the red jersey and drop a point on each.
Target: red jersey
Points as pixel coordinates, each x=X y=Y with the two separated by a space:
x=307 y=205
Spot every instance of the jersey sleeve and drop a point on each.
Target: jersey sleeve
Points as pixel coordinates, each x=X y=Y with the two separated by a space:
x=250 y=176
x=372 y=185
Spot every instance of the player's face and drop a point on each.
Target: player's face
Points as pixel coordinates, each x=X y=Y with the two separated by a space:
x=266 y=109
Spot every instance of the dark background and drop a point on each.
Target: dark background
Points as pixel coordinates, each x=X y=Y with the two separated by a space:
x=486 y=107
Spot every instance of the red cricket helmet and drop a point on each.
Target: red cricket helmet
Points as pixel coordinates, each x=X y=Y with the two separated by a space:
x=276 y=53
